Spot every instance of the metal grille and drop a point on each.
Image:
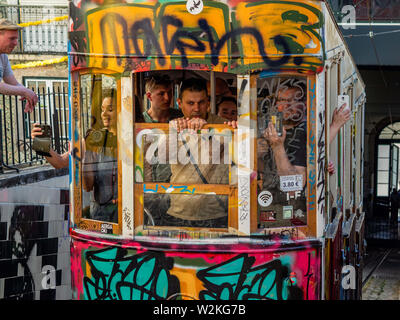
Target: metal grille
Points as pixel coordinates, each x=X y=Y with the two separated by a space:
x=15 y=126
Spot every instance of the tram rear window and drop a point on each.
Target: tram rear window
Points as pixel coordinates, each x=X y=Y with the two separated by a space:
x=281 y=151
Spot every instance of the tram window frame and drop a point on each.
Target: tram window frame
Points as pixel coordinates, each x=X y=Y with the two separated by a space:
x=80 y=220
x=274 y=213
x=140 y=185
x=309 y=228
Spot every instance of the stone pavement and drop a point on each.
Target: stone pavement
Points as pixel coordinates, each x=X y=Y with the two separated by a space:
x=384 y=284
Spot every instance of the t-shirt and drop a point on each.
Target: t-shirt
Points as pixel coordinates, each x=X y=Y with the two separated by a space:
x=5 y=67
x=101 y=162
x=201 y=206
x=173 y=114
x=295 y=144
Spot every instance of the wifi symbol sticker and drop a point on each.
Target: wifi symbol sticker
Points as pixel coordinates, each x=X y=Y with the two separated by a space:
x=265 y=198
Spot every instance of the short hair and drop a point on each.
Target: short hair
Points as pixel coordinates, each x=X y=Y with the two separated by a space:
x=193 y=84
x=157 y=80
x=298 y=88
x=109 y=93
x=223 y=99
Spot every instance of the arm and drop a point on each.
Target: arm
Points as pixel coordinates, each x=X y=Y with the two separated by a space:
x=58 y=160
x=283 y=165
x=339 y=118
x=11 y=86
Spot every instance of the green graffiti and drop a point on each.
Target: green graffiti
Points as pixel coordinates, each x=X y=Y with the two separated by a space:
x=294 y=47
x=294 y=16
x=119 y=276
x=239 y=279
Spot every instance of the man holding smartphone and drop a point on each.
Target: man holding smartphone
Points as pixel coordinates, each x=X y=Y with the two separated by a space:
x=8 y=84
x=289 y=146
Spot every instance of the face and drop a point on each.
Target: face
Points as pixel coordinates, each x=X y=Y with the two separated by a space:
x=194 y=104
x=290 y=102
x=8 y=40
x=108 y=113
x=221 y=89
x=160 y=97
x=228 y=110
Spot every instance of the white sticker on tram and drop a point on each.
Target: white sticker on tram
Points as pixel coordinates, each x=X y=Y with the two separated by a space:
x=265 y=198
x=194 y=6
x=291 y=183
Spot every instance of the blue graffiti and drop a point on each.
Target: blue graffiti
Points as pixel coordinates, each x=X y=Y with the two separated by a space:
x=170 y=188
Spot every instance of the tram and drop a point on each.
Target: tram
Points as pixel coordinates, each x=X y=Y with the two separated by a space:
x=268 y=221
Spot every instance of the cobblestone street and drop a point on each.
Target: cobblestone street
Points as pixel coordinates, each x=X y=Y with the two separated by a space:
x=384 y=284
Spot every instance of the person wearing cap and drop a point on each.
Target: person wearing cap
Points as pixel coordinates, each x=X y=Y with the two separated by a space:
x=8 y=84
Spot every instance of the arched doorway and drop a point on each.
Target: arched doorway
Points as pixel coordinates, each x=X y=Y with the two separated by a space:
x=384 y=224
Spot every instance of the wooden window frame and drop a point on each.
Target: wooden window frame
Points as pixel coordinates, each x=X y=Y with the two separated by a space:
x=229 y=190
x=76 y=127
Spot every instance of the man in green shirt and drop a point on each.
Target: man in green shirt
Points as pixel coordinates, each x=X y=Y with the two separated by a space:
x=159 y=92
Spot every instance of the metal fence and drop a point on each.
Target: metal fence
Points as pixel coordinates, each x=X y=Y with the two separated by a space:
x=51 y=38
x=382 y=229
x=16 y=125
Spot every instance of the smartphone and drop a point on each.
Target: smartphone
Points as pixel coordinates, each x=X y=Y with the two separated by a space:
x=343 y=99
x=276 y=119
x=41 y=144
x=46 y=130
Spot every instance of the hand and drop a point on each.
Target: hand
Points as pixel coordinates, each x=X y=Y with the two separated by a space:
x=232 y=123
x=179 y=124
x=331 y=168
x=36 y=130
x=271 y=135
x=196 y=124
x=341 y=116
x=31 y=99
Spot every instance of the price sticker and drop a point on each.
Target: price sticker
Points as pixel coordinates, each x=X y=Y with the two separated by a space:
x=291 y=183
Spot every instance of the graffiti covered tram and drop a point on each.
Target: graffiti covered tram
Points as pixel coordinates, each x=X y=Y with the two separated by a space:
x=205 y=160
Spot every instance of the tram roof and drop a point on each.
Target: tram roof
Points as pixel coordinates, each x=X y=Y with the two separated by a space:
x=224 y=36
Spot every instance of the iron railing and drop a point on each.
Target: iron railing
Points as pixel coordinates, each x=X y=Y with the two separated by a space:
x=40 y=37
x=382 y=229
x=16 y=125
